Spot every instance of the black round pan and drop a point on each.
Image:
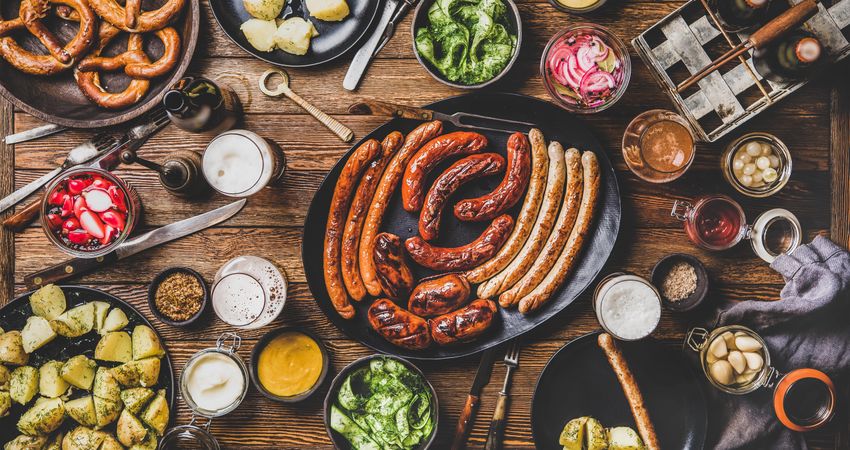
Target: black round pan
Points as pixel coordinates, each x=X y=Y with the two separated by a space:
x=556 y=124
x=578 y=381
x=333 y=41
x=13 y=316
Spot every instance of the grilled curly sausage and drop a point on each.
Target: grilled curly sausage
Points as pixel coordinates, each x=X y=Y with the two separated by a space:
x=357 y=163
x=465 y=257
x=393 y=273
x=439 y=295
x=508 y=192
x=386 y=187
x=357 y=215
x=467 y=169
x=398 y=326
x=428 y=157
x=464 y=324
x=527 y=214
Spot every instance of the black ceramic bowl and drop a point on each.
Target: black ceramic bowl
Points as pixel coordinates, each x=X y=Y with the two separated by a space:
x=420 y=19
x=152 y=296
x=662 y=267
x=264 y=341
x=337 y=439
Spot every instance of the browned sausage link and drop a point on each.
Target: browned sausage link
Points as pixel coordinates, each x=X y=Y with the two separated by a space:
x=439 y=295
x=357 y=216
x=393 y=273
x=351 y=172
x=630 y=389
x=428 y=157
x=386 y=187
x=508 y=192
x=464 y=324
x=463 y=171
x=398 y=326
x=465 y=257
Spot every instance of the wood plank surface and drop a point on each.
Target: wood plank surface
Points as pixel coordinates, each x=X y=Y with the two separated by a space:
x=271 y=224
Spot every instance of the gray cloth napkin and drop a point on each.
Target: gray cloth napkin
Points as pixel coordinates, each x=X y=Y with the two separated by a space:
x=807 y=327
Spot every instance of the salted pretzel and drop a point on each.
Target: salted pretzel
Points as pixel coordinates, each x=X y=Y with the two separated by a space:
x=134 y=65
x=89 y=81
x=60 y=57
x=130 y=17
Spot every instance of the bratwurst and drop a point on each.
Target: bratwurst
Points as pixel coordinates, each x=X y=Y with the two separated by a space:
x=398 y=326
x=439 y=295
x=391 y=266
x=465 y=257
x=464 y=324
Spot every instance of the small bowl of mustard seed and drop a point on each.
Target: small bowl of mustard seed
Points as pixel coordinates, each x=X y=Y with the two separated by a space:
x=682 y=281
x=178 y=296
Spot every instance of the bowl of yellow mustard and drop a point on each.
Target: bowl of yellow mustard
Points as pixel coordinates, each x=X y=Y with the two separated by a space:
x=289 y=364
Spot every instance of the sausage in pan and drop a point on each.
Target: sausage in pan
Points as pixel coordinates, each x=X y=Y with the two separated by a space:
x=465 y=257
x=439 y=295
x=428 y=157
x=464 y=324
x=398 y=326
x=467 y=169
x=393 y=273
x=508 y=192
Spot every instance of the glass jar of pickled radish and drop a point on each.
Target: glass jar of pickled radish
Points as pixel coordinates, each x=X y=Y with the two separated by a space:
x=757 y=164
x=716 y=222
x=736 y=360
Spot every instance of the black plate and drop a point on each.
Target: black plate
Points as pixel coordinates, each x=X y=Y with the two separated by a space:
x=13 y=316
x=578 y=381
x=556 y=124
x=333 y=41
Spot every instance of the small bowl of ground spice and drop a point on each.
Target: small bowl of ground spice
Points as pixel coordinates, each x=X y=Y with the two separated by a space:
x=178 y=296
x=682 y=281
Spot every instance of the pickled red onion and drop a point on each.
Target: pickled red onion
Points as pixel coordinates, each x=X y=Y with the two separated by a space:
x=585 y=66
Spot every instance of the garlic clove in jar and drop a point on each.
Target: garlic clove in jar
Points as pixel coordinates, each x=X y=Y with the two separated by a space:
x=718 y=348
x=729 y=338
x=754 y=361
x=722 y=372
x=710 y=358
x=737 y=360
x=745 y=377
x=747 y=344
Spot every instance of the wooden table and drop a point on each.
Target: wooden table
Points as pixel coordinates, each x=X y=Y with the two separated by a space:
x=814 y=123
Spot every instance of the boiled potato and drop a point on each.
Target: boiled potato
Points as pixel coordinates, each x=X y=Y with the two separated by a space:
x=260 y=33
x=79 y=371
x=106 y=411
x=105 y=386
x=150 y=444
x=156 y=415
x=126 y=374
x=114 y=346
x=5 y=403
x=82 y=438
x=101 y=309
x=48 y=302
x=12 y=349
x=50 y=383
x=572 y=436
x=43 y=418
x=624 y=438
x=82 y=410
x=146 y=343
x=75 y=322
x=130 y=430
x=115 y=320
x=595 y=434
x=330 y=10
x=110 y=443
x=264 y=9
x=293 y=35
x=24 y=442
x=5 y=375
x=36 y=333
x=24 y=384
x=135 y=399
x=148 y=370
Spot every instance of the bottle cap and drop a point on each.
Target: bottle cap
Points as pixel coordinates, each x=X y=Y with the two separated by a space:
x=757 y=3
x=808 y=50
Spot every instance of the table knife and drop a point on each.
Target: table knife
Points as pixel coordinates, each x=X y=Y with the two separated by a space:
x=34 y=133
x=470 y=408
x=403 y=8
x=78 y=266
x=364 y=56
x=458 y=119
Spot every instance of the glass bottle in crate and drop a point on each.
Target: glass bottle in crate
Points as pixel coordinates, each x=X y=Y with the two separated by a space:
x=740 y=15
x=792 y=58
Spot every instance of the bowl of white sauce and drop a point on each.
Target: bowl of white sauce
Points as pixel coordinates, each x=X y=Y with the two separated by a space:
x=215 y=380
x=627 y=306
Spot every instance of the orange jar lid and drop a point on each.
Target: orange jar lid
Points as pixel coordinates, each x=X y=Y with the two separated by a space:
x=804 y=399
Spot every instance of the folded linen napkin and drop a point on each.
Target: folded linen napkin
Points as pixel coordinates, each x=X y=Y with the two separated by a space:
x=807 y=327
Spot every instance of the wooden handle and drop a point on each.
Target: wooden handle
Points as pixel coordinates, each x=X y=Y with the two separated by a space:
x=69 y=269
x=378 y=108
x=464 y=422
x=497 y=425
x=783 y=23
x=18 y=221
x=339 y=129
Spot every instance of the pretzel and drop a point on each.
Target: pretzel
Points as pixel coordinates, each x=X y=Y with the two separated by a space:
x=135 y=62
x=131 y=17
x=89 y=81
x=60 y=57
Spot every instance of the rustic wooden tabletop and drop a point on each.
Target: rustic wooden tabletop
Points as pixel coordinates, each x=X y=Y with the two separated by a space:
x=814 y=123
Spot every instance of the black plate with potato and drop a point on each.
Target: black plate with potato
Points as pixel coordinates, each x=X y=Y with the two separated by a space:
x=14 y=316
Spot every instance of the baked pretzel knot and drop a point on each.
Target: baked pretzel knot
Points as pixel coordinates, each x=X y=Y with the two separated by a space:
x=60 y=57
x=130 y=17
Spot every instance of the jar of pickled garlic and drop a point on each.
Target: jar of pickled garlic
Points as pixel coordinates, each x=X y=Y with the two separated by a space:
x=757 y=164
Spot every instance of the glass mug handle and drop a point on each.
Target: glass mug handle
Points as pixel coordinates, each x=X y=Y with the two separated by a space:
x=681 y=209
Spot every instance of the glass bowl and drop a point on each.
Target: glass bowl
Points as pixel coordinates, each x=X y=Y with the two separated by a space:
x=783 y=171
x=565 y=96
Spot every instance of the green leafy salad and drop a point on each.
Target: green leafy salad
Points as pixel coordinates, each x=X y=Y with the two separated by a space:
x=467 y=40
x=383 y=405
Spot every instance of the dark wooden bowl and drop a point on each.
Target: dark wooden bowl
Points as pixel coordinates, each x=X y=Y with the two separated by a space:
x=155 y=285
x=255 y=362
x=57 y=99
x=663 y=266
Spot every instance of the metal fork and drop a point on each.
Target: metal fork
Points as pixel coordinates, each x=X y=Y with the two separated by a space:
x=497 y=424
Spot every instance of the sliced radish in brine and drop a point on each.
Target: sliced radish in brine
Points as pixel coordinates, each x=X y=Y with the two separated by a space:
x=80 y=206
x=114 y=219
x=99 y=182
x=98 y=199
x=111 y=234
x=92 y=224
x=71 y=224
x=67 y=206
x=118 y=198
x=57 y=197
x=76 y=186
x=54 y=221
x=79 y=237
